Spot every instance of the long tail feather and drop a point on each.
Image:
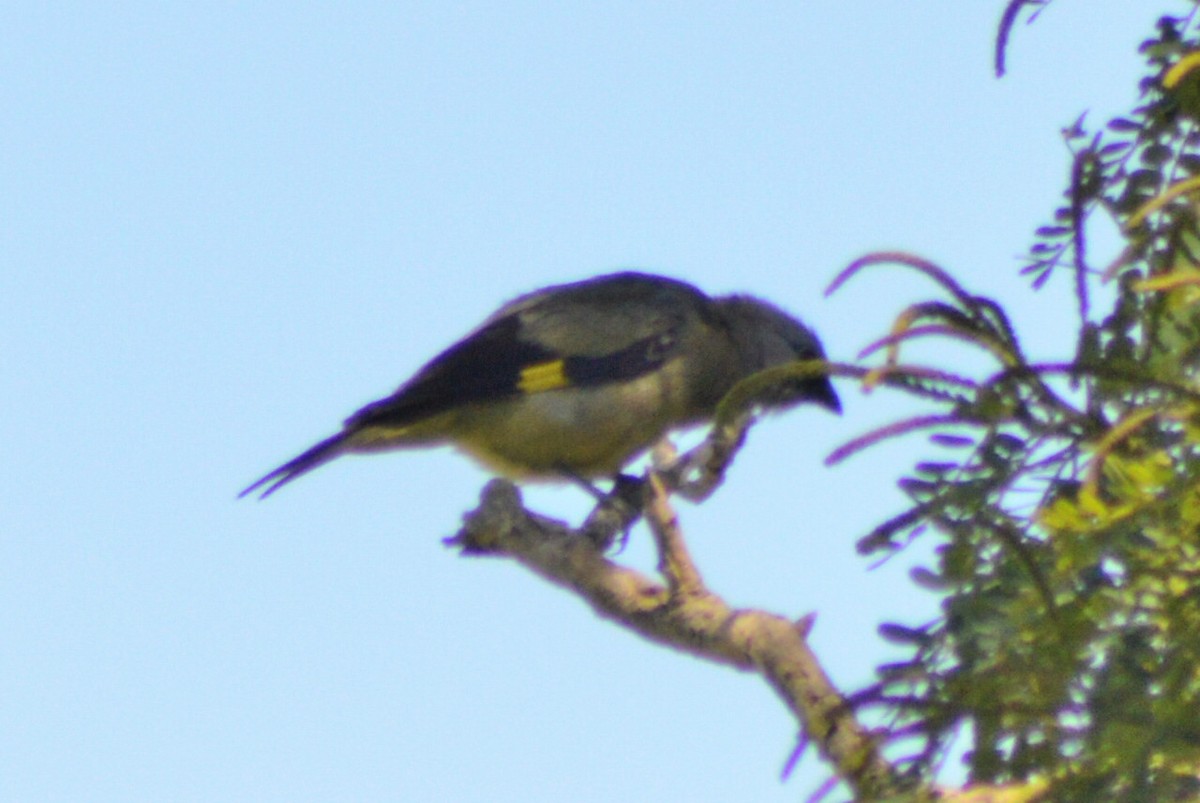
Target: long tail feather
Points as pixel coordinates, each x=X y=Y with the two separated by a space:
x=318 y=455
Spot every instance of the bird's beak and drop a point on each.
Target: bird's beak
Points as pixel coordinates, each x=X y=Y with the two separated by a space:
x=824 y=395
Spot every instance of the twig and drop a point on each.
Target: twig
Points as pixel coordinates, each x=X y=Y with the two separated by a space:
x=674 y=561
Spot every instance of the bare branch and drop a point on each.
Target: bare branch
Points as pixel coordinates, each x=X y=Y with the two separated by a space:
x=674 y=561
x=893 y=430
x=922 y=265
x=1007 y=21
x=685 y=615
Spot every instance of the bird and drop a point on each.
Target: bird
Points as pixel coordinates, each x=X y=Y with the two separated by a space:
x=574 y=381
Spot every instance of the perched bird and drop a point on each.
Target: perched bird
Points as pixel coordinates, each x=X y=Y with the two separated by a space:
x=575 y=380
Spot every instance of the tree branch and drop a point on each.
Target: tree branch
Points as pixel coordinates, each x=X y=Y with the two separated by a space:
x=685 y=615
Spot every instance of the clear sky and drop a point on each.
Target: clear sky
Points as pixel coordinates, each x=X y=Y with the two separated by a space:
x=225 y=226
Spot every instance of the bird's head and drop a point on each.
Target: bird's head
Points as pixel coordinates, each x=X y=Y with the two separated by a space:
x=766 y=336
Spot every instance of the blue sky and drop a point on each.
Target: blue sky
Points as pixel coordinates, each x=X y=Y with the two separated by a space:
x=226 y=226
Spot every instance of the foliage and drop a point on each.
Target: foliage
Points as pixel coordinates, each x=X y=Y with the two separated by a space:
x=1066 y=497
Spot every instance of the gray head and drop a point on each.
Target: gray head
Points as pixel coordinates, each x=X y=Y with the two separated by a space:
x=767 y=336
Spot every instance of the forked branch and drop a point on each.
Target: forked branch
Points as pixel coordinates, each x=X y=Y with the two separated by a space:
x=679 y=611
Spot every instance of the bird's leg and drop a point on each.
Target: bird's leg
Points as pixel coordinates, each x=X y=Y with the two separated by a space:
x=616 y=511
x=583 y=483
x=613 y=518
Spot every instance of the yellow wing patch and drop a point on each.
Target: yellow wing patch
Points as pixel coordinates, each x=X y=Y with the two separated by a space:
x=543 y=376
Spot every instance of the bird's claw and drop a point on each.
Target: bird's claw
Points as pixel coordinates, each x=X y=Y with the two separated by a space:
x=617 y=512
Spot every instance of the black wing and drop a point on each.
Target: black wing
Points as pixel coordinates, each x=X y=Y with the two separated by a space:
x=486 y=365
x=609 y=329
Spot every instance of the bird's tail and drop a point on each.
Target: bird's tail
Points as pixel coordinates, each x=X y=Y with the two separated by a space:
x=322 y=453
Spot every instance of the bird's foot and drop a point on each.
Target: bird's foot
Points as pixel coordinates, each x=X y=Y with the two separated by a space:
x=616 y=513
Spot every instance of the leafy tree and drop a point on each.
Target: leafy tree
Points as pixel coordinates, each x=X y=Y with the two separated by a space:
x=1064 y=499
